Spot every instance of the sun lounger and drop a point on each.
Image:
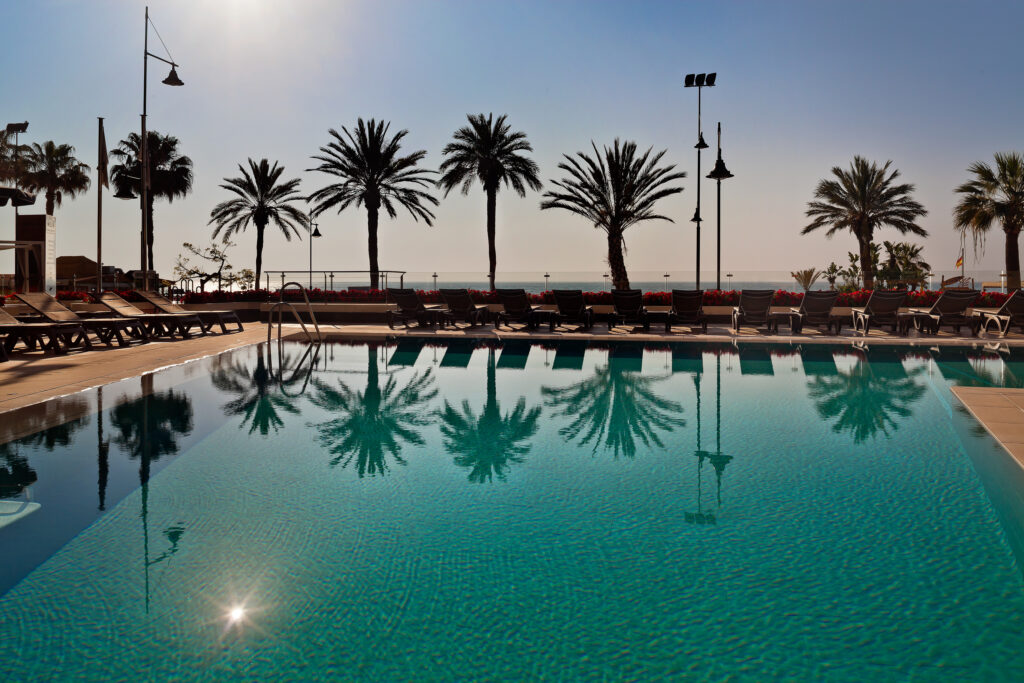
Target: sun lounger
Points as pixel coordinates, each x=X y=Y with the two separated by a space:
x=1009 y=314
x=106 y=329
x=816 y=309
x=949 y=309
x=687 y=309
x=208 y=318
x=628 y=307
x=72 y=334
x=157 y=324
x=753 y=309
x=517 y=309
x=459 y=306
x=571 y=308
x=882 y=308
x=411 y=307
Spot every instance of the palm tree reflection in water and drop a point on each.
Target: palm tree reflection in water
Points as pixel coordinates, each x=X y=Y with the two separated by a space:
x=869 y=398
x=375 y=422
x=615 y=407
x=488 y=443
x=260 y=393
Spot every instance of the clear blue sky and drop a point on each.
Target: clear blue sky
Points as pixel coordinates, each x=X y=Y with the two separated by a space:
x=802 y=86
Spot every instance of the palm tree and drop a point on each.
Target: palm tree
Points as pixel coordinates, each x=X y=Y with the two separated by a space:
x=866 y=399
x=995 y=194
x=170 y=173
x=487 y=151
x=860 y=200
x=54 y=170
x=614 y=192
x=373 y=174
x=615 y=407
x=374 y=423
x=260 y=200
x=10 y=156
x=487 y=443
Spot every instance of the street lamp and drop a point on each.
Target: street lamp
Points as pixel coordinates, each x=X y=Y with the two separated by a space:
x=172 y=79
x=547 y=276
x=699 y=81
x=666 y=281
x=435 y=280
x=314 y=231
x=718 y=174
x=605 y=276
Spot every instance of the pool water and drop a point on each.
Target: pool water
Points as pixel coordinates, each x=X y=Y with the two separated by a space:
x=472 y=511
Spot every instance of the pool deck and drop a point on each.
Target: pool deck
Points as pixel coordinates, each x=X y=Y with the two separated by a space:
x=1001 y=412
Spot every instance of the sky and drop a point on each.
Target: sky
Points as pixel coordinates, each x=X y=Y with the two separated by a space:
x=802 y=87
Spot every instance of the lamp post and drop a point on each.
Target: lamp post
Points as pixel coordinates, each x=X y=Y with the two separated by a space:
x=666 y=281
x=314 y=231
x=435 y=280
x=172 y=79
x=547 y=276
x=699 y=81
x=718 y=174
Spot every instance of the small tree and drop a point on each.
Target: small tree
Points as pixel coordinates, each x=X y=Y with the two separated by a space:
x=806 y=278
x=217 y=267
x=831 y=274
x=246 y=278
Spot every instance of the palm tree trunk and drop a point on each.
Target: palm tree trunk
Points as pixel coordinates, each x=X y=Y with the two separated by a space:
x=149 y=231
x=50 y=196
x=865 y=264
x=372 y=395
x=371 y=228
x=1012 y=261
x=617 y=264
x=259 y=252
x=492 y=254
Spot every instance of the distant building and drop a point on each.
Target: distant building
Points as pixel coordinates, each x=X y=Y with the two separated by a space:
x=79 y=273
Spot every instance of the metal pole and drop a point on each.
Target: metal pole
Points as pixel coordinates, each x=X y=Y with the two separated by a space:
x=99 y=220
x=311 y=247
x=144 y=158
x=700 y=133
x=718 y=240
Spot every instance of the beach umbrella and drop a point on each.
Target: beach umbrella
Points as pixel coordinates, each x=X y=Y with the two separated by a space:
x=16 y=197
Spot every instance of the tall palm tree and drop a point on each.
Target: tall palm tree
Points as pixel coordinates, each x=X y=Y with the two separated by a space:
x=487 y=443
x=260 y=200
x=10 y=156
x=53 y=170
x=615 y=407
x=860 y=200
x=486 y=150
x=170 y=173
x=614 y=191
x=373 y=174
x=374 y=423
x=995 y=194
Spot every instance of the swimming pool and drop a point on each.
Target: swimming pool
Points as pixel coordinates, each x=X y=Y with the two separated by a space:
x=475 y=511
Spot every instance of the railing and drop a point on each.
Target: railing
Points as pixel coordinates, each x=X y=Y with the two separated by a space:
x=279 y=309
x=333 y=279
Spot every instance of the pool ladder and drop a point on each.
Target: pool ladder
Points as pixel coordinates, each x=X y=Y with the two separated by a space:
x=279 y=309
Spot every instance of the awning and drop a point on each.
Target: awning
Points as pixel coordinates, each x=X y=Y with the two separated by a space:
x=16 y=197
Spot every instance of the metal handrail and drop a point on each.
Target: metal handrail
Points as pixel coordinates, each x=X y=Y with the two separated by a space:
x=328 y=273
x=295 y=312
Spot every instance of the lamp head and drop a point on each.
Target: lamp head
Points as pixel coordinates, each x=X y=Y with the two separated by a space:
x=316 y=231
x=172 y=78
x=719 y=172
x=700 y=143
x=125 y=193
x=688 y=81
x=17 y=127
x=700 y=80
x=696 y=216
x=710 y=80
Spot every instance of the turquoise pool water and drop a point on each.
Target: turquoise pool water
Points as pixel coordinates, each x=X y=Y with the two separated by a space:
x=465 y=512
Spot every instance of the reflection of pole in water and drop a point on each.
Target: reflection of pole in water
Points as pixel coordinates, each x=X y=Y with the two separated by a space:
x=102 y=452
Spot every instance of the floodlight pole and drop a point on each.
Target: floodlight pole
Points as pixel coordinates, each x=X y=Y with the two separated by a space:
x=696 y=216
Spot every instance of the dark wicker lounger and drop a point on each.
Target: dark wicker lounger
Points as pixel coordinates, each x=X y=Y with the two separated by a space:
x=1009 y=314
x=106 y=329
x=517 y=309
x=753 y=309
x=157 y=324
x=816 y=309
x=72 y=334
x=949 y=309
x=628 y=307
x=687 y=309
x=571 y=308
x=411 y=307
x=208 y=318
x=459 y=306
x=882 y=308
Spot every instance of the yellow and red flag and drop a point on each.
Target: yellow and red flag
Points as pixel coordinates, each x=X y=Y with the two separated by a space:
x=959 y=261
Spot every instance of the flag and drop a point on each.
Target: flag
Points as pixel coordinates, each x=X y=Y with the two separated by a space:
x=959 y=261
x=101 y=165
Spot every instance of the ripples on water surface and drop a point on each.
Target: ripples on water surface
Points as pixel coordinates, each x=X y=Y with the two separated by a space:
x=517 y=511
